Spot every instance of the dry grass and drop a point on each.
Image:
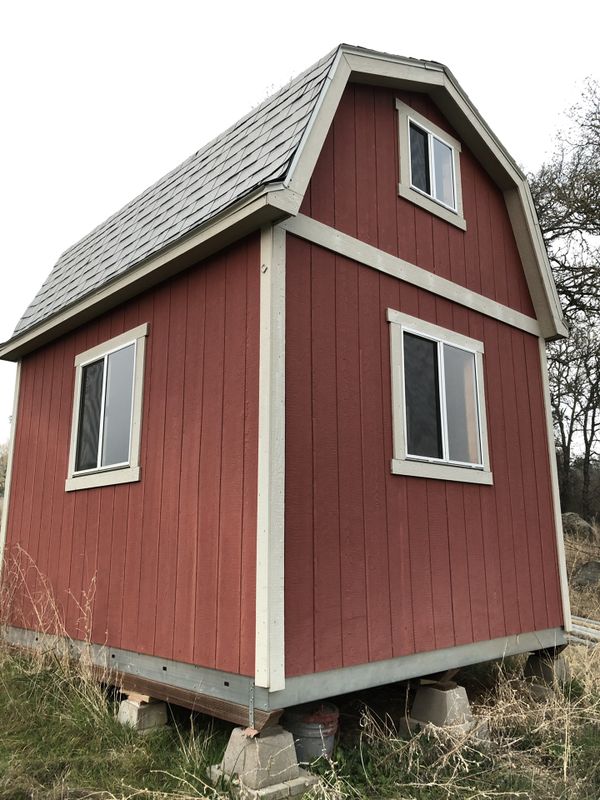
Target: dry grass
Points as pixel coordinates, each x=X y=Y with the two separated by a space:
x=59 y=736
x=584 y=602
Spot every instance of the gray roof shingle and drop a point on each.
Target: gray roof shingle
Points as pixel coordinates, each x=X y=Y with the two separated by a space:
x=256 y=150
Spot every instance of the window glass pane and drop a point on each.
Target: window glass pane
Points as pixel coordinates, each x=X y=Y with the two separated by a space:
x=421 y=388
x=419 y=159
x=117 y=406
x=89 y=416
x=444 y=178
x=461 y=405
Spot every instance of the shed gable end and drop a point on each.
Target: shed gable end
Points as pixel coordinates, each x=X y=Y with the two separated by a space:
x=354 y=189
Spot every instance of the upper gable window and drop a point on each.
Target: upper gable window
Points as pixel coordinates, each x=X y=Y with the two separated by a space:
x=107 y=412
x=429 y=166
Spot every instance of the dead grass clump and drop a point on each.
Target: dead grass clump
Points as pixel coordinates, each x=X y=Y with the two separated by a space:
x=59 y=735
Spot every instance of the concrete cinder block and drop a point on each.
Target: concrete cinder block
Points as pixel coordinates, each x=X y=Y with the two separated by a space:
x=545 y=670
x=442 y=705
x=277 y=791
x=142 y=716
x=302 y=783
x=263 y=760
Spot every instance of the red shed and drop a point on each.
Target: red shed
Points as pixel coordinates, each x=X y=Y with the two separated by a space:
x=282 y=425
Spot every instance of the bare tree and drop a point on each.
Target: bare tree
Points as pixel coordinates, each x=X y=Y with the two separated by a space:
x=3 y=463
x=566 y=191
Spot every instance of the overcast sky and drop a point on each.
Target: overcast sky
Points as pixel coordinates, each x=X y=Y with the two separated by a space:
x=99 y=99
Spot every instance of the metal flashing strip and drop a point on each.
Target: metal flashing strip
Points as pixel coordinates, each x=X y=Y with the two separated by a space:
x=202 y=680
x=306 y=688
x=240 y=689
x=338 y=242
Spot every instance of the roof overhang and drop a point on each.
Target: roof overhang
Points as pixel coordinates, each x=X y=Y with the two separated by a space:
x=270 y=204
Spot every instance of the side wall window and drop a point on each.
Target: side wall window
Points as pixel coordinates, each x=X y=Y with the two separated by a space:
x=107 y=410
x=429 y=166
x=438 y=402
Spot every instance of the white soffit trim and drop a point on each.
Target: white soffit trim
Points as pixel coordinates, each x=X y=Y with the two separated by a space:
x=270 y=643
x=273 y=202
x=9 y=465
x=560 y=539
x=332 y=239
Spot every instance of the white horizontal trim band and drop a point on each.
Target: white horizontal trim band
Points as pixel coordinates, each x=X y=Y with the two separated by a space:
x=348 y=246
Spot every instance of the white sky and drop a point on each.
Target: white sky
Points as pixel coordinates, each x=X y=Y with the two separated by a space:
x=99 y=99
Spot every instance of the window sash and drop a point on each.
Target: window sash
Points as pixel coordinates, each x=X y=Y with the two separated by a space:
x=100 y=467
x=431 y=165
x=442 y=405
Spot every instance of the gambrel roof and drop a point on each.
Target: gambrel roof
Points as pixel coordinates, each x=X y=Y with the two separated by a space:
x=257 y=172
x=255 y=151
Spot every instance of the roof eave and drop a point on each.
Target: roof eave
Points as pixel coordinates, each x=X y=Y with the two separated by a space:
x=268 y=204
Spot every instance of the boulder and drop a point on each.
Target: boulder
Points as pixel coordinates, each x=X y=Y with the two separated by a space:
x=577 y=527
x=586 y=576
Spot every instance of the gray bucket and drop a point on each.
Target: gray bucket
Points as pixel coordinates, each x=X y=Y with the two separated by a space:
x=313 y=727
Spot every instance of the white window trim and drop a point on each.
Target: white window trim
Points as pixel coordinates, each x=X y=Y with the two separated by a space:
x=406 y=115
x=402 y=463
x=129 y=471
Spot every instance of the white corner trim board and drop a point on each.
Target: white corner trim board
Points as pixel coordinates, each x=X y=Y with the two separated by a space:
x=348 y=246
x=270 y=646
x=560 y=540
x=9 y=464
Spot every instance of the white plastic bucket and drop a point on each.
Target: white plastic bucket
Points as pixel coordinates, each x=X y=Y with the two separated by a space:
x=313 y=727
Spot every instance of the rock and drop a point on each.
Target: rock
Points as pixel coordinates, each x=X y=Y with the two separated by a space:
x=577 y=527
x=587 y=575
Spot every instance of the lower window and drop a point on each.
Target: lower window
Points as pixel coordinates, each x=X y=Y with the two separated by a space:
x=107 y=412
x=438 y=402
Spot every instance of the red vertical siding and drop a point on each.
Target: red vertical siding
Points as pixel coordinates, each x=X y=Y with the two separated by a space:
x=403 y=564
x=167 y=565
x=354 y=188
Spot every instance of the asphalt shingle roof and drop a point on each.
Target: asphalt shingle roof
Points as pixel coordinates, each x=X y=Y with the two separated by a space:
x=256 y=150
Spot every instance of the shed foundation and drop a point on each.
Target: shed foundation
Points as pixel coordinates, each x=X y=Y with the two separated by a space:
x=142 y=715
x=263 y=766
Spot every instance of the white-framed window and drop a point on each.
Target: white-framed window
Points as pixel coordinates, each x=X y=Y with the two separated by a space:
x=429 y=166
x=438 y=402
x=107 y=412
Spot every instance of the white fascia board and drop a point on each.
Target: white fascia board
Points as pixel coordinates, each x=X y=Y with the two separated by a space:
x=270 y=521
x=270 y=203
x=9 y=466
x=311 y=144
x=523 y=217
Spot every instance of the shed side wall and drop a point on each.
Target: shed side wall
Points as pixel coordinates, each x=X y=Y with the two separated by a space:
x=155 y=566
x=381 y=565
